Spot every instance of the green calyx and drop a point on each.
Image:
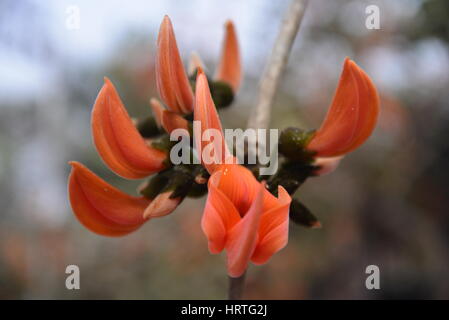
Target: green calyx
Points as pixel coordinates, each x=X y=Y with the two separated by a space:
x=163 y=143
x=301 y=215
x=179 y=179
x=290 y=175
x=293 y=143
x=148 y=127
x=221 y=92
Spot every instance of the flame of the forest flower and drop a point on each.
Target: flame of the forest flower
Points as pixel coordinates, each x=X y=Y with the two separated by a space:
x=352 y=115
x=117 y=140
x=101 y=207
x=244 y=218
x=206 y=113
x=171 y=79
x=230 y=68
x=240 y=216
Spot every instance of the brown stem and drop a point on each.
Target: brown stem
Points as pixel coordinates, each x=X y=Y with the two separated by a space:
x=236 y=286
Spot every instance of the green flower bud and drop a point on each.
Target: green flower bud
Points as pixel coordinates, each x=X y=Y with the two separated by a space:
x=293 y=143
x=148 y=127
x=222 y=94
x=163 y=143
x=301 y=215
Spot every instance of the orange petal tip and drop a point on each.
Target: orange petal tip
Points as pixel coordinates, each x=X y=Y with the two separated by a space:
x=101 y=207
x=352 y=116
x=118 y=141
x=229 y=69
x=172 y=82
x=206 y=114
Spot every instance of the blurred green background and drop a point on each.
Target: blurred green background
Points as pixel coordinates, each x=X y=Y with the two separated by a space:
x=385 y=205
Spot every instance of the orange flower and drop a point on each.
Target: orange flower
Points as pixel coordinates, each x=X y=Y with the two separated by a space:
x=172 y=81
x=102 y=208
x=117 y=140
x=99 y=206
x=240 y=216
x=230 y=68
x=352 y=115
x=206 y=114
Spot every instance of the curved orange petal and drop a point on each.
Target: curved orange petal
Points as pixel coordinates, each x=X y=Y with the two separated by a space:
x=273 y=230
x=230 y=68
x=101 y=207
x=338 y=128
x=219 y=216
x=351 y=117
x=117 y=140
x=206 y=114
x=171 y=79
x=239 y=185
x=369 y=108
x=242 y=238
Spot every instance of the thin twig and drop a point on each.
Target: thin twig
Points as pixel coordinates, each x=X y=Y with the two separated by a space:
x=236 y=286
x=260 y=115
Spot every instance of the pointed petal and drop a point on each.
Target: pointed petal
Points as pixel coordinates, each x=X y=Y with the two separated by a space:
x=338 y=128
x=206 y=113
x=369 y=108
x=351 y=117
x=219 y=216
x=172 y=82
x=242 y=238
x=230 y=69
x=172 y=121
x=101 y=207
x=161 y=206
x=117 y=140
x=273 y=230
x=157 y=109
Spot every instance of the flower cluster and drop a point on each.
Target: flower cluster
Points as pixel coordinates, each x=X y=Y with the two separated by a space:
x=246 y=214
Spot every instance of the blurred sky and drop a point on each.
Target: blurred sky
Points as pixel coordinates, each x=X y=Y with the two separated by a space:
x=197 y=24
